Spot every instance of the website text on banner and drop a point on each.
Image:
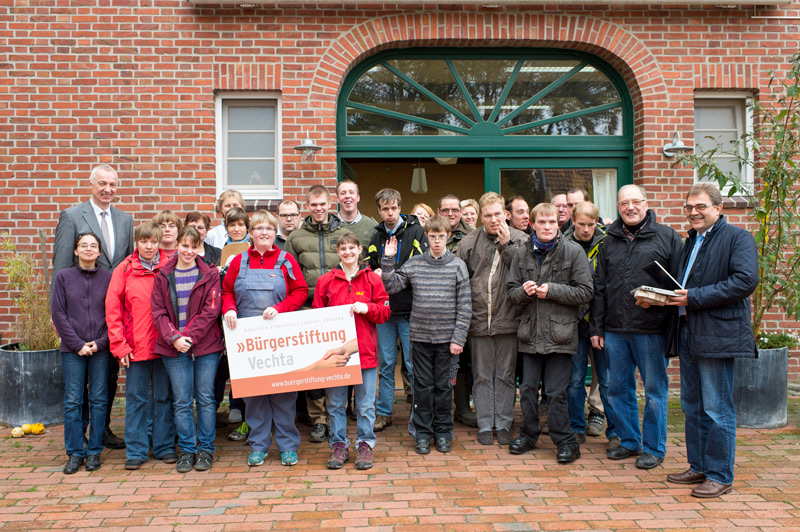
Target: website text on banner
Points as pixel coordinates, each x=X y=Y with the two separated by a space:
x=302 y=350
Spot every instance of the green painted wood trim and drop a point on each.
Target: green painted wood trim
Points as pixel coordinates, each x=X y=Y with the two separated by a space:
x=511 y=80
x=541 y=94
x=407 y=118
x=428 y=93
x=464 y=91
x=561 y=118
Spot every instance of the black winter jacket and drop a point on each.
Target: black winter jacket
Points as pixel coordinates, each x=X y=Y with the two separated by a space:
x=619 y=270
x=723 y=276
x=411 y=241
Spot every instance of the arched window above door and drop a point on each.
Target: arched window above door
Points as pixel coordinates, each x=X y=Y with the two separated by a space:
x=493 y=96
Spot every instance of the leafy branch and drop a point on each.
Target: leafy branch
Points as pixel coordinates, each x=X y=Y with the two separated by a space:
x=772 y=152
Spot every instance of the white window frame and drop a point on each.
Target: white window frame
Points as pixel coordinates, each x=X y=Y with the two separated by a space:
x=745 y=99
x=271 y=99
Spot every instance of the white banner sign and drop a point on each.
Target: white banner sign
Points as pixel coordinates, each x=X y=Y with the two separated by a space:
x=302 y=350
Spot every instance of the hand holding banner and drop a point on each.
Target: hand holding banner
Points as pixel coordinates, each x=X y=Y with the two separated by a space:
x=302 y=350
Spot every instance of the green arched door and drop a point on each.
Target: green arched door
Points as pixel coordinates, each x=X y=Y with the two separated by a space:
x=539 y=111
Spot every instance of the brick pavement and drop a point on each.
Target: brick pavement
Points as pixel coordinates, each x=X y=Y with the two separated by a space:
x=474 y=488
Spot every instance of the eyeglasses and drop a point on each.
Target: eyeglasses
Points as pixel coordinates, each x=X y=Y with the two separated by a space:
x=701 y=207
x=449 y=211
x=289 y=215
x=261 y=229
x=633 y=202
x=88 y=246
x=437 y=238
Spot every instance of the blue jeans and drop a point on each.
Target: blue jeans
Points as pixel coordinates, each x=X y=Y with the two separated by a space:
x=626 y=352
x=365 y=410
x=76 y=368
x=138 y=377
x=388 y=332
x=576 y=393
x=707 y=401
x=193 y=381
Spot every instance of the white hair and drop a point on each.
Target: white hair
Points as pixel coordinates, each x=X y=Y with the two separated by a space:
x=628 y=187
x=102 y=168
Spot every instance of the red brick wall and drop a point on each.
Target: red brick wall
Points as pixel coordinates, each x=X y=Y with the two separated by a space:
x=133 y=84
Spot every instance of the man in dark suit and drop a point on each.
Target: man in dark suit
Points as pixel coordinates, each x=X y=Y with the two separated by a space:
x=115 y=229
x=719 y=270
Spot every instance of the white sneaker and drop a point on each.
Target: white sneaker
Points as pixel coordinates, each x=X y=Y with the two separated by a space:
x=235 y=416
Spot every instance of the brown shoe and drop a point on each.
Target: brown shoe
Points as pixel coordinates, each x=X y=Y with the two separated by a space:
x=710 y=489
x=381 y=422
x=687 y=477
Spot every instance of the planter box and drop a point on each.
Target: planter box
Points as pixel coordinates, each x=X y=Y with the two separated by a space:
x=32 y=389
x=760 y=389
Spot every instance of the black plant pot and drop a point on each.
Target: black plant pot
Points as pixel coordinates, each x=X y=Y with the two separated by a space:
x=32 y=387
x=760 y=389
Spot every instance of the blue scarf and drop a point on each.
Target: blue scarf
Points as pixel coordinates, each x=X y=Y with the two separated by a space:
x=541 y=249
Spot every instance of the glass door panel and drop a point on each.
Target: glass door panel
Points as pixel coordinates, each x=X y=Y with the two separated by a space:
x=538 y=181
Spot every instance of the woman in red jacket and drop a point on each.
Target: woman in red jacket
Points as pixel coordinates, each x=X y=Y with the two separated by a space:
x=186 y=305
x=353 y=283
x=132 y=336
x=265 y=281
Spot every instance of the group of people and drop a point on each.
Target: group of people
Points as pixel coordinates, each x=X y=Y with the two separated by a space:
x=530 y=295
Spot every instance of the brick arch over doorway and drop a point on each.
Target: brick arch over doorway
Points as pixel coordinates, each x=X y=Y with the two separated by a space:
x=632 y=59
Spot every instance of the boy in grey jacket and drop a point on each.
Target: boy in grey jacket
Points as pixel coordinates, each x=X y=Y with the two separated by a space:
x=440 y=315
x=549 y=280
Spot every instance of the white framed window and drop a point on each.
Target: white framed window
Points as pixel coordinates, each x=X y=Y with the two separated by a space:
x=723 y=119
x=248 y=144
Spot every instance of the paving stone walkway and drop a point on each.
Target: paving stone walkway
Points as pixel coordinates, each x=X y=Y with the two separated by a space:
x=474 y=488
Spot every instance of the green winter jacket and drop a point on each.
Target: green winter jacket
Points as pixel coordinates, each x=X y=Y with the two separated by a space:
x=314 y=247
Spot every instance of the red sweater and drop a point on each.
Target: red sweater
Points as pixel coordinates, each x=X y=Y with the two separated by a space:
x=333 y=289
x=296 y=289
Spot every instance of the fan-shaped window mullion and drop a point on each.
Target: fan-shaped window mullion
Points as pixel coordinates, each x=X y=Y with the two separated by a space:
x=560 y=118
x=506 y=90
x=407 y=118
x=544 y=92
x=429 y=94
x=464 y=90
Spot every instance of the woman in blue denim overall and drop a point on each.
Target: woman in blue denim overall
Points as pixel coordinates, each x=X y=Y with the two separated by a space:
x=265 y=281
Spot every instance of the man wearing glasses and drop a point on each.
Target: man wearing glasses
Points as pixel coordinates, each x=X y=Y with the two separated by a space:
x=450 y=208
x=632 y=335
x=719 y=270
x=288 y=221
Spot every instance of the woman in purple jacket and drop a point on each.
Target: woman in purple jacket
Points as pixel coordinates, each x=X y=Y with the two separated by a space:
x=186 y=304
x=78 y=309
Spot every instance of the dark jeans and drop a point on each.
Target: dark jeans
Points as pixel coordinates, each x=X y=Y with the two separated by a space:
x=192 y=381
x=707 y=401
x=138 y=378
x=558 y=368
x=432 y=382
x=77 y=370
x=112 y=373
x=576 y=393
x=220 y=380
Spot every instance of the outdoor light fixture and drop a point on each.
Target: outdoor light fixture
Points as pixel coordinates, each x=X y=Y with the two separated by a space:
x=307 y=148
x=676 y=147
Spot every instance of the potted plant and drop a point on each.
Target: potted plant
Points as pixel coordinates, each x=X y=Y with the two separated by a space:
x=772 y=152
x=33 y=388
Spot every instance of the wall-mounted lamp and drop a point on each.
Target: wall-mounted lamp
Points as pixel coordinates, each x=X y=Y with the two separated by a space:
x=307 y=148
x=676 y=147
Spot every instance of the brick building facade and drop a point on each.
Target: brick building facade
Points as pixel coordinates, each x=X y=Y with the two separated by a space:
x=142 y=86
